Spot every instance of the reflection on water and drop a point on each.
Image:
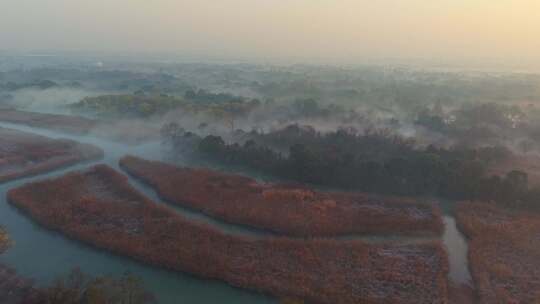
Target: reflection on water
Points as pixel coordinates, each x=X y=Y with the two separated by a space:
x=456 y=246
x=43 y=255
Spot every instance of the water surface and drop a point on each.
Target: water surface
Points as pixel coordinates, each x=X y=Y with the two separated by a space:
x=44 y=255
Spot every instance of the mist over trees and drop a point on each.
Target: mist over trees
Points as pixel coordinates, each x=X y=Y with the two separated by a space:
x=372 y=161
x=386 y=130
x=318 y=134
x=292 y=152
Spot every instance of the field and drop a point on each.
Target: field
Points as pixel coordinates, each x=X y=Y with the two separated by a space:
x=99 y=207
x=24 y=154
x=504 y=252
x=285 y=209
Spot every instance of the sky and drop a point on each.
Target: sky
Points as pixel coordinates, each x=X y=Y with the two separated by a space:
x=348 y=31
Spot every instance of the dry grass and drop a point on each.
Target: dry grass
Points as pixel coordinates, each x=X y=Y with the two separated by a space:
x=504 y=252
x=316 y=271
x=24 y=154
x=285 y=209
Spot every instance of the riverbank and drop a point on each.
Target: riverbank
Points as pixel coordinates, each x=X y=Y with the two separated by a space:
x=118 y=218
x=25 y=154
x=504 y=252
x=292 y=210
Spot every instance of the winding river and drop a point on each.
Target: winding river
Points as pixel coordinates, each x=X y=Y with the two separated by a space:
x=43 y=255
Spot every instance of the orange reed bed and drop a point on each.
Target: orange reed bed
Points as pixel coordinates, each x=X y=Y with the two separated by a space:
x=99 y=207
x=24 y=154
x=504 y=252
x=289 y=210
x=62 y=123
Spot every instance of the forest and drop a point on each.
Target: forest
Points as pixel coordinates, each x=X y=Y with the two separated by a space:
x=141 y=105
x=375 y=161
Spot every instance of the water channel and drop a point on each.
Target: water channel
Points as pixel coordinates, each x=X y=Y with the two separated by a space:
x=43 y=255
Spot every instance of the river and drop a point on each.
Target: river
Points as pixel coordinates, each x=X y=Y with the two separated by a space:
x=43 y=255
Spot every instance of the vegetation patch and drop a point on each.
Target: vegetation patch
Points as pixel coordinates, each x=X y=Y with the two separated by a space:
x=15 y=289
x=287 y=209
x=63 y=123
x=80 y=288
x=504 y=252
x=5 y=242
x=318 y=271
x=141 y=105
x=24 y=154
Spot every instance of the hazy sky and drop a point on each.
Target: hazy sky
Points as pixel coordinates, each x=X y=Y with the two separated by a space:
x=335 y=30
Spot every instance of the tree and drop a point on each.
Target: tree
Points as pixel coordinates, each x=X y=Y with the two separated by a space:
x=212 y=144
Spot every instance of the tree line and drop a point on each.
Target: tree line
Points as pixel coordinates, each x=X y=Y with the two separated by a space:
x=372 y=161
